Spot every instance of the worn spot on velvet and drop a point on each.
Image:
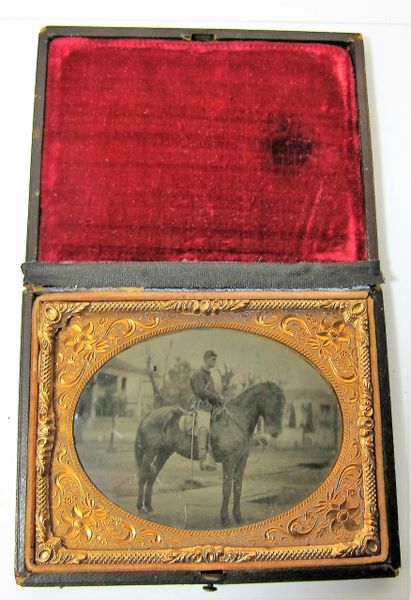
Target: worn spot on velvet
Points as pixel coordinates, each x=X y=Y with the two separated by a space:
x=290 y=150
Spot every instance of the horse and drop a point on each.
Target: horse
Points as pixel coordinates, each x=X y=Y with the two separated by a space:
x=231 y=434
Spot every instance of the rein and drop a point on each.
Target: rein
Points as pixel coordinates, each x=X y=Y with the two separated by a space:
x=224 y=408
x=232 y=417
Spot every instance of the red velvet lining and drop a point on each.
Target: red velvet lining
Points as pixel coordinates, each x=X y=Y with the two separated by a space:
x=175 y=150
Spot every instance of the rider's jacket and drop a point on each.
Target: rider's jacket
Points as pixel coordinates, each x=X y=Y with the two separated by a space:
x=203 y=388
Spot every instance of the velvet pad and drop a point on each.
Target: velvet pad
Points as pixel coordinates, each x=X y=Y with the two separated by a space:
x=211 y=151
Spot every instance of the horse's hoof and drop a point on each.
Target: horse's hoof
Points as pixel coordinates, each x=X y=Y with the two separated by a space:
x=238 y=519
x=224 y=521
x=145 y=509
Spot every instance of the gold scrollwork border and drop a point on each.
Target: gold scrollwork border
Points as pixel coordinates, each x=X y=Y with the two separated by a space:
x=343 y=520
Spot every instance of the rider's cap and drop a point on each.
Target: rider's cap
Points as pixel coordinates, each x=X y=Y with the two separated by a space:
x=210 y=353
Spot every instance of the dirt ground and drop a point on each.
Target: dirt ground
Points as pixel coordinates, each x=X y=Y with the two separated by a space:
x=188 y=498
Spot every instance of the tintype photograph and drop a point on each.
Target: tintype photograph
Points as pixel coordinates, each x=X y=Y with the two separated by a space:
x=207 y=428
x=225 y=432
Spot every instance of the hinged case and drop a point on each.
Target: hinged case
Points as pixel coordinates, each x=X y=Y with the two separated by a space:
x=197 y=191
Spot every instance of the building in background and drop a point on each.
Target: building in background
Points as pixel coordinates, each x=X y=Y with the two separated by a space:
x=311 y=418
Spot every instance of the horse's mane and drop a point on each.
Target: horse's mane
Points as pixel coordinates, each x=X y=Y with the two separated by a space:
x=269 y=385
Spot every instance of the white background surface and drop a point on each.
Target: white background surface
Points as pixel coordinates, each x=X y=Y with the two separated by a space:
x=387 y=30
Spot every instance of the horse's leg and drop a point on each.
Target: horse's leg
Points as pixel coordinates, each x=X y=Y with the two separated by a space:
x=237 y=486
x=140 y=496
x=154 y=469
x=143 y=475
x=228 y=473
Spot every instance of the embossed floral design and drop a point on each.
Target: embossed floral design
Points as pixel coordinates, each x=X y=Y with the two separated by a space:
x=81 y=339
x=86 y=530
x=342 y=516
x=329 y=339
x=82 y=520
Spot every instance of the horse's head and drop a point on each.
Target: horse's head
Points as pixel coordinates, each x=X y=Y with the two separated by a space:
x=271 y=403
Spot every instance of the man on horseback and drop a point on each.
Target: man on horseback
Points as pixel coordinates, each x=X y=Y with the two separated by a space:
x=205 y=400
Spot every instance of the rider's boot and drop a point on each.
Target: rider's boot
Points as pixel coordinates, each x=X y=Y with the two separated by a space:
x=210 y=462
x=207 y=463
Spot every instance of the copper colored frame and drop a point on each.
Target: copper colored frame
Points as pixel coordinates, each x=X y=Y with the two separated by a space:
x=334 y=331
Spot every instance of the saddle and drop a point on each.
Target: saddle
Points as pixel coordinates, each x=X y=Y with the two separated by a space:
x=186 y=422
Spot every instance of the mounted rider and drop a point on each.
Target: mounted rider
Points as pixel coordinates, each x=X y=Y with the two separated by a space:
x=206 y=398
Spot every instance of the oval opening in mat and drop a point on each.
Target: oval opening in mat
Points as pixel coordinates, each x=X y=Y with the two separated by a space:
x=281 y=426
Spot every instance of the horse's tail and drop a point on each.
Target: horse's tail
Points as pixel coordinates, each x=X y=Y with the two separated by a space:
x=139 y=447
